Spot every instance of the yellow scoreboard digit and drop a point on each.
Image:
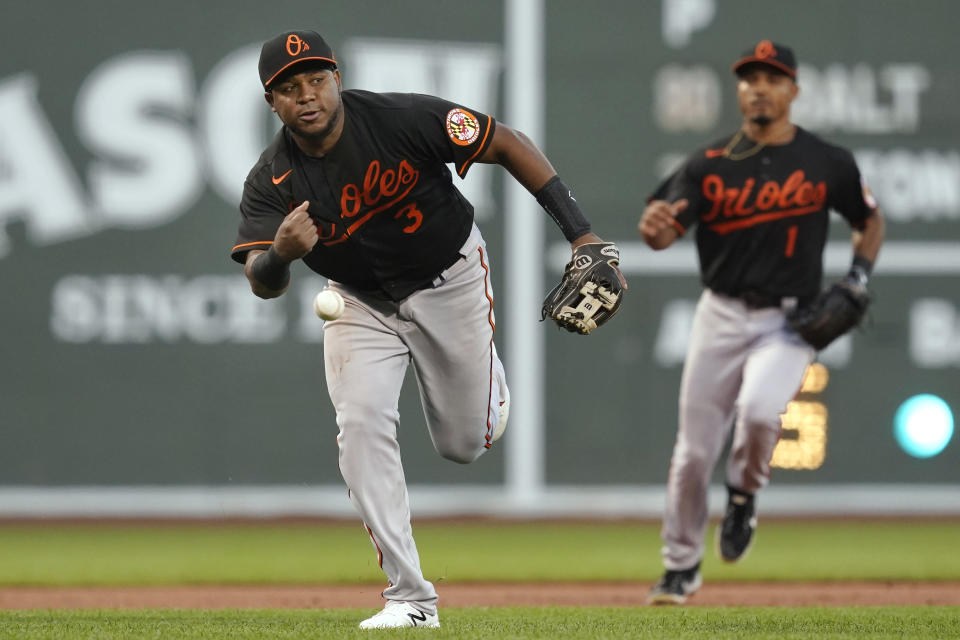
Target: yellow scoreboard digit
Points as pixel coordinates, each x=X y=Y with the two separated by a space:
x=803 y=434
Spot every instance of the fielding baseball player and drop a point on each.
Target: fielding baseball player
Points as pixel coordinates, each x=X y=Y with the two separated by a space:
x=356 y=185
x=760 y=199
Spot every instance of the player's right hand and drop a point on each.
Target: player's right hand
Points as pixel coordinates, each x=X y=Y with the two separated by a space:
x=657 y=224
x=297 y=234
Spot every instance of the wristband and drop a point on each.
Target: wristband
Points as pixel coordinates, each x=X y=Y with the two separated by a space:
x=271 y=270
x=557 y=200
x=859 y=262
x=860 y=270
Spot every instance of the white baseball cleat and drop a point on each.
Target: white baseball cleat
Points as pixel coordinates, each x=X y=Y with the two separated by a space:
x=397 y=615
x=502 y=414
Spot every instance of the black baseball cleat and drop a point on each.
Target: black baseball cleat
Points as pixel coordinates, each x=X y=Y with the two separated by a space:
x=735 y=533
x=675 y=586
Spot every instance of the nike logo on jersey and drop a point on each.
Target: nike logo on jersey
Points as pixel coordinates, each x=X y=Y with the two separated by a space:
x=741 y=207
x=277 y=180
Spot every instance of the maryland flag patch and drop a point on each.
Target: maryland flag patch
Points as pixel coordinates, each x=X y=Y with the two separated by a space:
x=462 y=127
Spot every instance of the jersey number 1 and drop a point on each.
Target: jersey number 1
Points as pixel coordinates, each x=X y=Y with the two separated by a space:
x=791 y=241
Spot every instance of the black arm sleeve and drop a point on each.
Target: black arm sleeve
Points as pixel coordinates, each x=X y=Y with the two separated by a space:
x=558 y=201
x=270 y=270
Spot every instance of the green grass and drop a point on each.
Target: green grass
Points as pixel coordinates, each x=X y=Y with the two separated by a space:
x=290 y=553
x=864 y=623
x=297 y=553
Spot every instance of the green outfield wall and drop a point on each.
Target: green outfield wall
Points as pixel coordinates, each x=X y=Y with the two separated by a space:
x=134 y=354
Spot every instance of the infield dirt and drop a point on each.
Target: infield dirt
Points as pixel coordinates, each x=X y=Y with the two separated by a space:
x=479 y=595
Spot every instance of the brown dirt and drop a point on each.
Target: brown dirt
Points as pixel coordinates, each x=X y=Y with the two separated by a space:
x=478 y=595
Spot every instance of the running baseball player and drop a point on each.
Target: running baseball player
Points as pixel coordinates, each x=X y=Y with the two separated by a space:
x=356 y=185
x=760 y=199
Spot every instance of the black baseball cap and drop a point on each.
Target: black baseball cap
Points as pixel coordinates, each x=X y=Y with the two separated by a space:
x=778 y=56
x=290 y=48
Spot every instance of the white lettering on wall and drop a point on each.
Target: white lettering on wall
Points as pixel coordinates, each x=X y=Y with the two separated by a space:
x=681 y=18
x=234 y=121
x=934 y=333
x=205 y=309
x=676 y=322
x=132 y=113
x=860 y=99
x=156 y=145
x=913 y=185
x=37 y=183
x=686 y=98
x=137 y=309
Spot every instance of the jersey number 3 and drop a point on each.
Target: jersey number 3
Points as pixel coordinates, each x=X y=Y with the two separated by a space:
x=411 y=213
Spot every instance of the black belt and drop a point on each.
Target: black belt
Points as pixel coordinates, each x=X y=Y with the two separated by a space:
x=757 y=300
x=437 y=281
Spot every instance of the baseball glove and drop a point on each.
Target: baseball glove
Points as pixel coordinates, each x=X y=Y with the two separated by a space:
x=834 y=312
x=590 y=291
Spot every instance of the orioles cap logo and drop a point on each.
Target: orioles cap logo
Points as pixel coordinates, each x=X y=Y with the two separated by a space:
x=765 y=50
x=296 y=46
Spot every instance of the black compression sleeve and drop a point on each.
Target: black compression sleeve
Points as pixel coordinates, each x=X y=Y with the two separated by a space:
x=557 y=199
x=271 y=270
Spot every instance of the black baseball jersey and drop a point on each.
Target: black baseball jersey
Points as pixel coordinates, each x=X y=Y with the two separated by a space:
x=387 y=212
x=763 y=218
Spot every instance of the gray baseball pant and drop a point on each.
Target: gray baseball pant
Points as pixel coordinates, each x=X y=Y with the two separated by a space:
x=447 y=333
x=743 y=363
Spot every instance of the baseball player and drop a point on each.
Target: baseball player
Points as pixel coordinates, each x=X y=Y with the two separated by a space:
x=356 y=185
x=760 y=199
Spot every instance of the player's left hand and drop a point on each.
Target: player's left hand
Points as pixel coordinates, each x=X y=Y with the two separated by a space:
x=591 y=290
x=592 y=238
x=834 y=312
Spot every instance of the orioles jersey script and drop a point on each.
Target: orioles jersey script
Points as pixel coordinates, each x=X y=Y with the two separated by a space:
x=763 y=219
x=387 y=213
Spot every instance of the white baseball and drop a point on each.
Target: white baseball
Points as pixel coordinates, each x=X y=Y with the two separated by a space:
x=328 y=304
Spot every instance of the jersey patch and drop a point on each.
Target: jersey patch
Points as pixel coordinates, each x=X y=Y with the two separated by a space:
x=462 y=127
